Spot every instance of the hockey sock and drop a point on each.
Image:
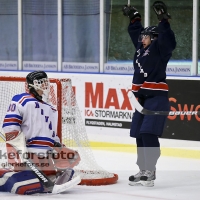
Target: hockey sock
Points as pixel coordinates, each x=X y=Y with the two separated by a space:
x=140 y=154
x=151 y=150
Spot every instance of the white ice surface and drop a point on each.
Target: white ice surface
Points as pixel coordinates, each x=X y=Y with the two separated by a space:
x=177 y=179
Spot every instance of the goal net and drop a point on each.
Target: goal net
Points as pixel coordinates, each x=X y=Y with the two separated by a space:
x=70 y=126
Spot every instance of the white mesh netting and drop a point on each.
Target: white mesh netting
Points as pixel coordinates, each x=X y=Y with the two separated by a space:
x=73 y=130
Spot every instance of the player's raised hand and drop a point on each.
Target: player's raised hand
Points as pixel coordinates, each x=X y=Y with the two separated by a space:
x=131 y=12
x=161 y=10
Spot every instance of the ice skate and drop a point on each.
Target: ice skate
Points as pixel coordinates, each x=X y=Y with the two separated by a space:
x=135 y=179
x=147 y=179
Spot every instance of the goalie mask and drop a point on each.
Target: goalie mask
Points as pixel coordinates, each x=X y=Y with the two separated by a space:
x=151 y=31
x=38 y=80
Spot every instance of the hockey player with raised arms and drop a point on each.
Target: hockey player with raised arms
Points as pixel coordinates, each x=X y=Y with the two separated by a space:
x=154 y=46
x=39 y=162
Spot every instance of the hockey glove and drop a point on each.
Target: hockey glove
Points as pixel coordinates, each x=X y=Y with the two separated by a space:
x=161 y=10
x=131 y=12
x=57 y=144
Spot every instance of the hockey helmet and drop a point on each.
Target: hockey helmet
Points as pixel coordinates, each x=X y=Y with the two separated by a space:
x=151 y=31
x=38 y=80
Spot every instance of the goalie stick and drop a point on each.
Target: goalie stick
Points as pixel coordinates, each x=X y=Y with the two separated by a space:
x=55 y=189
x=144 y=111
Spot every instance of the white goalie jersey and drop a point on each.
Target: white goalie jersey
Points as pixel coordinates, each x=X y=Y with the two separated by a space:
x=37 y=120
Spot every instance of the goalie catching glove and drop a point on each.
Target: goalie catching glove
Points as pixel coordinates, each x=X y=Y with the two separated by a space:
x=131 y=12
x=65 y=157
x=161 y=10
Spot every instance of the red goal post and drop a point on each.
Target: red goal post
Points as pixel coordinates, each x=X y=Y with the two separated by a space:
x=71 y=129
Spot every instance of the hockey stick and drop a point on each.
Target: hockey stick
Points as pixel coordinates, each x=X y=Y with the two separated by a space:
x=144 y=111
x=2 y=136
x=61 y=187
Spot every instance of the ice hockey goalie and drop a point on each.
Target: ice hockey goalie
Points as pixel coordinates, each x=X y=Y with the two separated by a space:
x=38 y=162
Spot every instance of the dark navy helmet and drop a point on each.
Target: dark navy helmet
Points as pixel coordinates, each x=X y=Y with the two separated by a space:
x=151 y=31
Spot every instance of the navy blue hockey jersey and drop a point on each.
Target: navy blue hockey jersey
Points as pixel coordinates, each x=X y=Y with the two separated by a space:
x=150 y=63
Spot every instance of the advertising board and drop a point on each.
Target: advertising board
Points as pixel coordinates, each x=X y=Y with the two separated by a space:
x=107 y=111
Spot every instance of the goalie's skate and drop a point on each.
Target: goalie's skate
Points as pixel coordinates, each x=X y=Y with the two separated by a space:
x=134 y=180
x=65 y=181
x=147 y=179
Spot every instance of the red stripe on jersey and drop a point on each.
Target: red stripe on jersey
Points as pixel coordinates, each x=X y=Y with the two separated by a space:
x=23 y=98
x=12 y=120
x=155 y=86
x=26 y=189
x=135 y=87
x=45 y=143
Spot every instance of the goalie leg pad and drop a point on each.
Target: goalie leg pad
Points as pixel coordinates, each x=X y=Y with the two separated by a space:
x=24 y=182
x=4 y=175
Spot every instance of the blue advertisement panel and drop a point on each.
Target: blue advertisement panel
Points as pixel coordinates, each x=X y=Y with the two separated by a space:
x=80 y=67
x=8 y=65
x=173 y=68
x=36 y=65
